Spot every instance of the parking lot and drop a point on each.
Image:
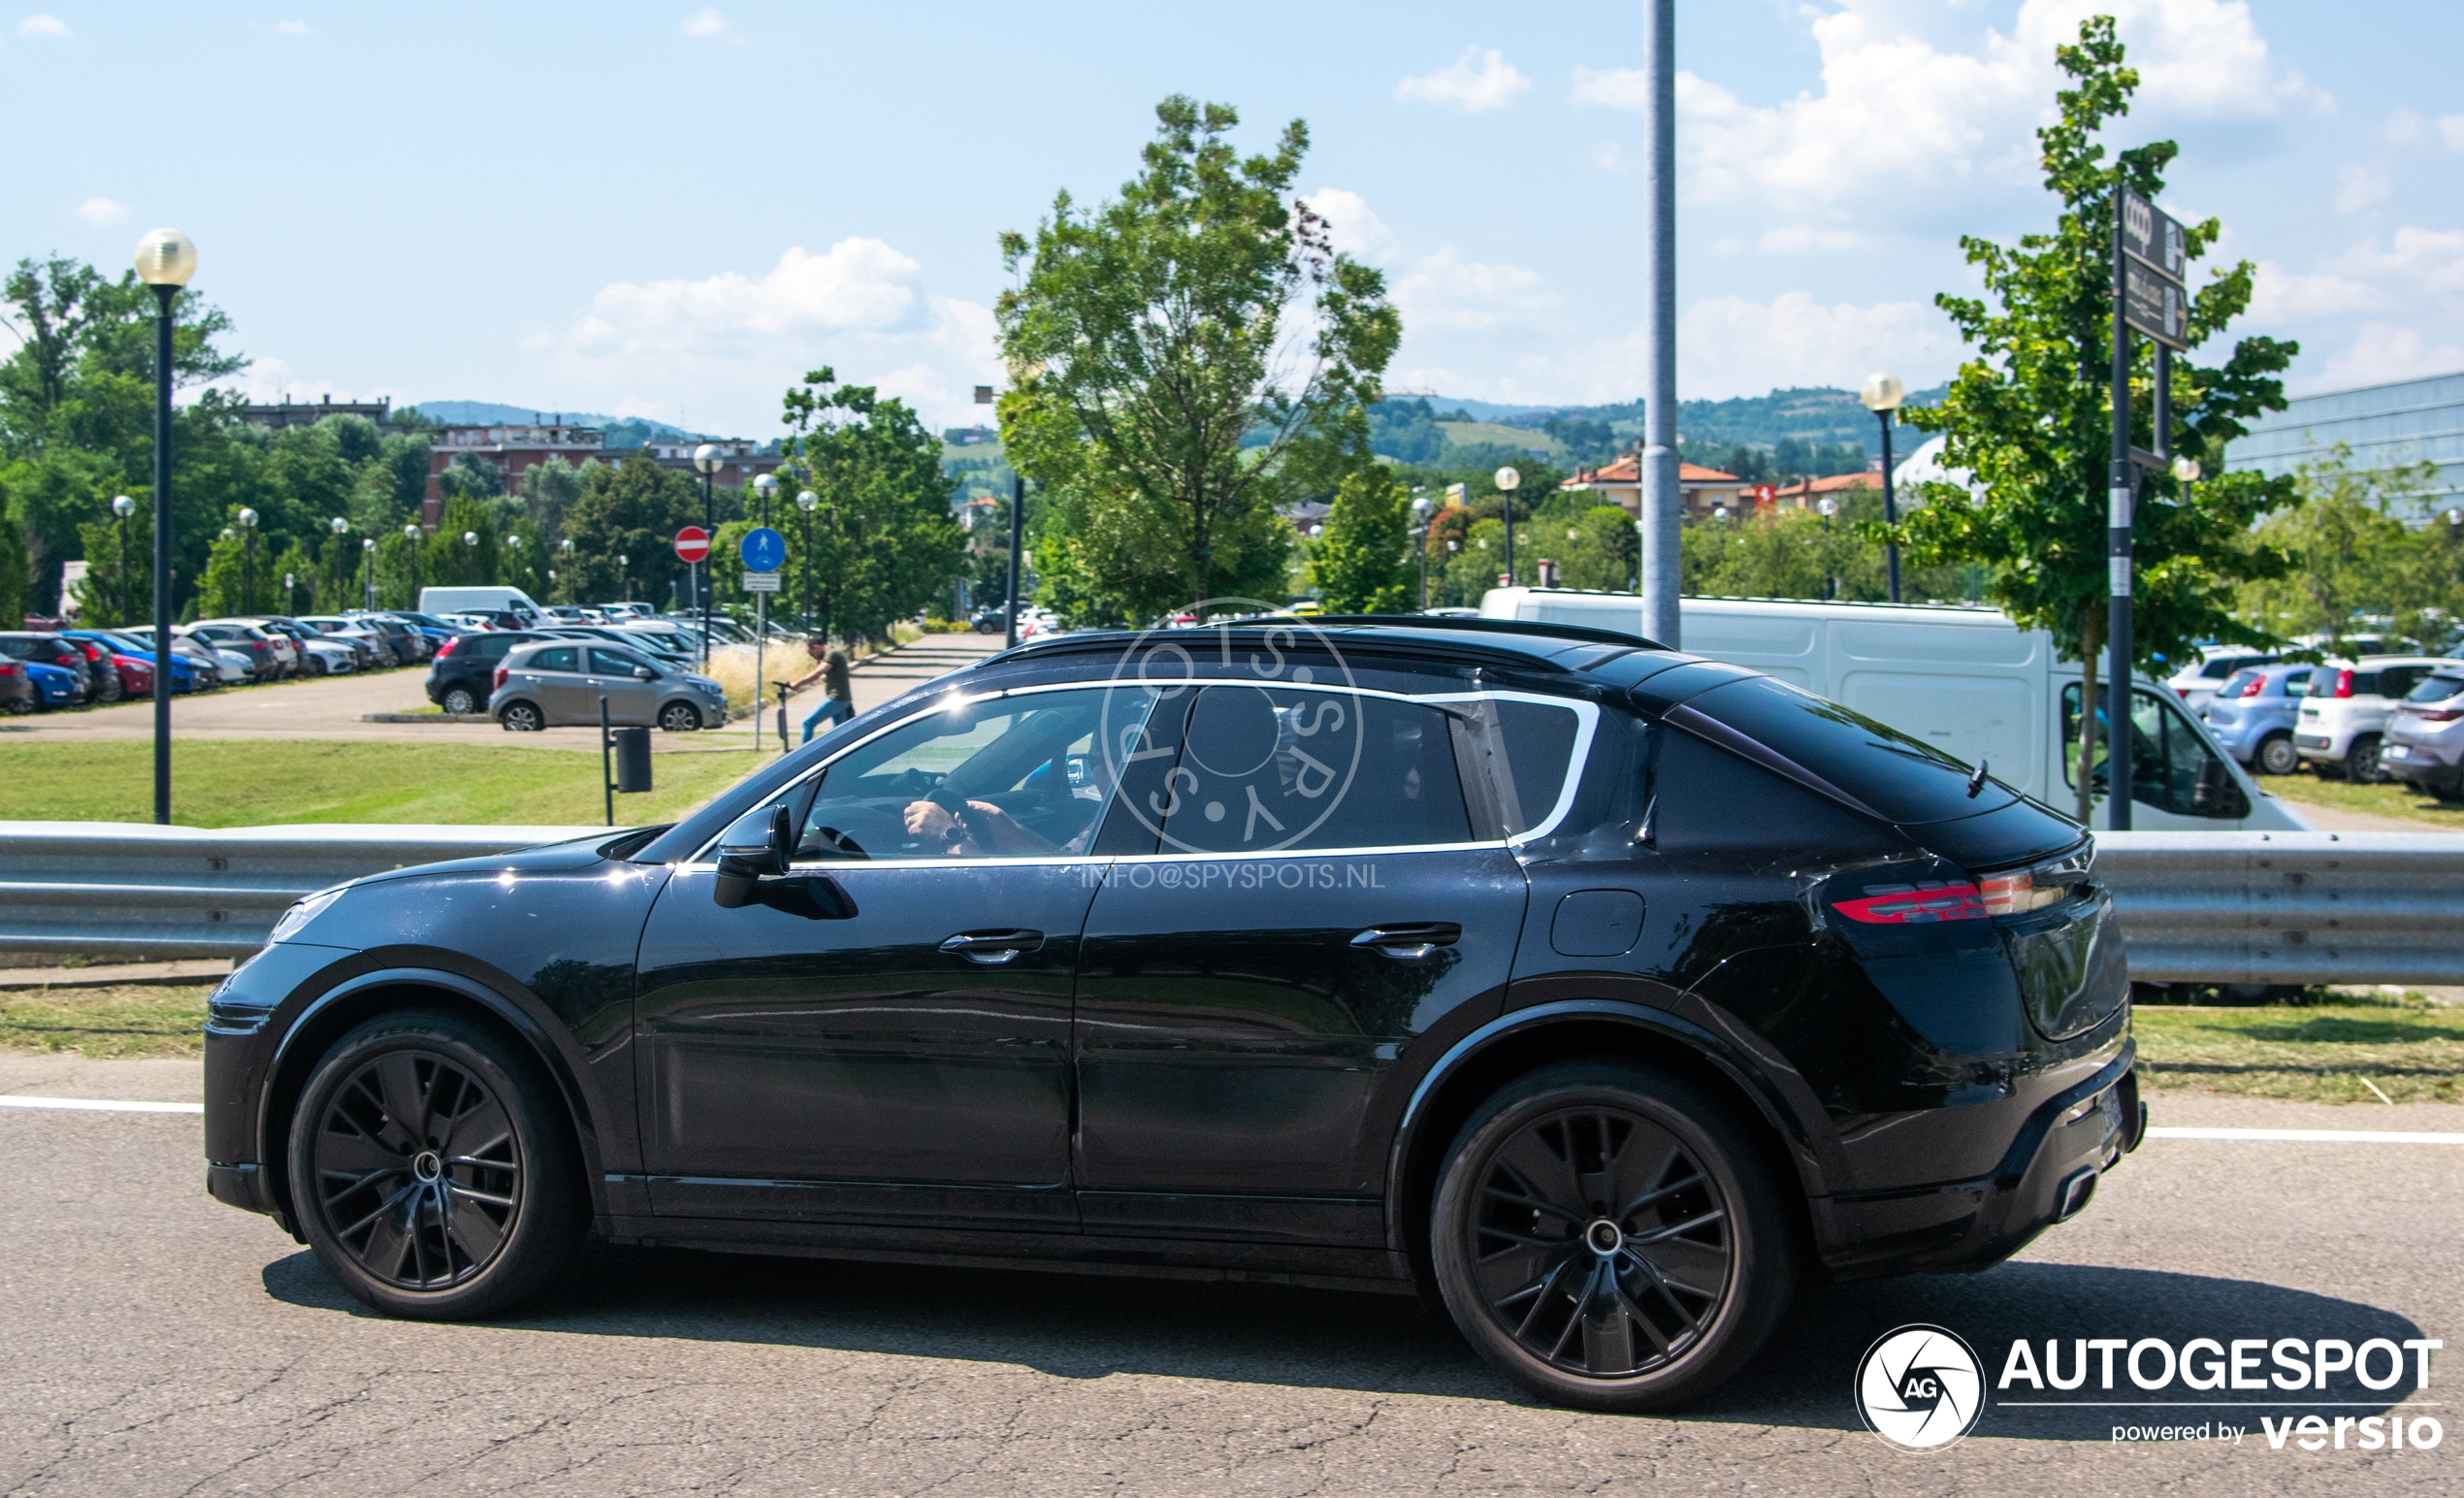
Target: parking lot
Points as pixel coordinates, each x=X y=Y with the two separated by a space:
x=158 y=1342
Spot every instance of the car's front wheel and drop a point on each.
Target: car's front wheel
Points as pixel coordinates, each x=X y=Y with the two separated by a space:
x=521 y=718
x=2361 y=761
x=679 y=718
x=459 y=700
x=430 y=1170
x=1607 y=1237
x=2277 y=756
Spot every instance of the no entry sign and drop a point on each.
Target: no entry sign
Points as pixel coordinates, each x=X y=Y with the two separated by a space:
x=692 y=544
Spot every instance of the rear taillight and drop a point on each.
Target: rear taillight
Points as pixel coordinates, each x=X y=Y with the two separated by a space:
x=1912 y=904
x=2019 y=890
x=2344 y=685
x=2438 y=714
x=500 y=681
x=2256 y=685
x=9 y=668
x=446 y=648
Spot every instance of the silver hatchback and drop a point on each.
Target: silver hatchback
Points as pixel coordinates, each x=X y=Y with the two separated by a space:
x=554 y=683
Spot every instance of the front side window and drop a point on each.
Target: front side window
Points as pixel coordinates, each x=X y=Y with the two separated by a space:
x=614 y=662
x=560 y=659
x=1024 y=776
x=2167 y=756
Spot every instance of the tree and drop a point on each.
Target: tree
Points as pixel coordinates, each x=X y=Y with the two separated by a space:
x=1148 y=337
x=548 y=490
x=2030 y=417
x=1363 y=560
x=2354 y=561
x=630 y=510
x=13 y=569
x=885 y=544
x=1601 y=550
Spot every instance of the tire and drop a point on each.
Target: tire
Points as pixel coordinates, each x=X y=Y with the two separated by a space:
x=521 y=718
x=2451 y=791
x=2276 y=755
x=109 y=686
x=680 y=718
x=2361 y=762
x=460 y=700
x=433 y=1169
x=1527 y=1259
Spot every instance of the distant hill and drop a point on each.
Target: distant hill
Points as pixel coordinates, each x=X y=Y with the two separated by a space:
x=622 y=431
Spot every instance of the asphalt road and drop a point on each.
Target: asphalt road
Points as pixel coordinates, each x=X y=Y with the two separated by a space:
x=156 y=1342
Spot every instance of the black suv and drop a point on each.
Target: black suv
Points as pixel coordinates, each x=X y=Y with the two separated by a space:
x=463 y=672
x=1601 y=989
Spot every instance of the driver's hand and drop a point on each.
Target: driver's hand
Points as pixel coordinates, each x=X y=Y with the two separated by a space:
x=931 y=822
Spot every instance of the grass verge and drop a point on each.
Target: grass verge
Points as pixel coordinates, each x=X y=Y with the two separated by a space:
x=121 y=1024
x=267 y=781
x=2411 y=1050
x=2398 y=800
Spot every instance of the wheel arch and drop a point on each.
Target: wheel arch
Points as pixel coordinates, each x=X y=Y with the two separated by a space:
x=497 y=712
x=1523 y=1040
x=365 y=997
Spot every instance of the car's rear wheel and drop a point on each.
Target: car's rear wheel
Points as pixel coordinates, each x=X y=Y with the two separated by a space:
x=1607 y=1237
x=2277 y=756
x=521 y=718
x=107 y=687
x=679 y=718
x=2361 y=761
x=459 y=700
x=430 y=1171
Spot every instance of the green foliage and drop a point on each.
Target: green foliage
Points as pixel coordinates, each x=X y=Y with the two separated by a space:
x=2030 y=416
x=1363 y=561
x=2356 y=564
x=1149 y=335
x=885 y=544
x=1406 y=431
x=11 y=566
x=1600 y=549
x=632 y=511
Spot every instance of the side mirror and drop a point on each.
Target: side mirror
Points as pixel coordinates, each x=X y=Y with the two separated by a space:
x=2213 y=793
x=756 y=847
x=644 y=673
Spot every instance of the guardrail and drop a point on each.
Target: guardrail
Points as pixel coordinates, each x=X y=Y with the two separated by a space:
x=2288 y=907
x=134 y=890
x=2196 y=908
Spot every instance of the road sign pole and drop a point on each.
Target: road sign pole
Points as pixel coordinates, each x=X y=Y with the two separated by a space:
x=1017 y=507
x=2120 y=481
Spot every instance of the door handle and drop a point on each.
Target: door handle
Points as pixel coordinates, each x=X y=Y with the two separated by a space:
x=991 y=949
x=1413 y=943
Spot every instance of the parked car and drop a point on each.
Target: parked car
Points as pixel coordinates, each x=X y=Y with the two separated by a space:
x=54 y=686
x=269 y=656
x=553 y=683
x=2198 y=682
x=2252 y=713
x=128 y=674
x=957 y=979
x=2424 y=737
x=320 y=654
x=2344 y=716
x=18 y=691
x=47 y=650
x=410 y=646
x=135 y=659
x=376 y=651
x=434 y=631
x=463 y=672
x=103 y=681
x=483 y=601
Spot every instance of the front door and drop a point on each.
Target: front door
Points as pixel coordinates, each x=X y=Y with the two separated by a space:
x=910 y=1063
x=1319 y=899
x=629 y=700
x=556 y=680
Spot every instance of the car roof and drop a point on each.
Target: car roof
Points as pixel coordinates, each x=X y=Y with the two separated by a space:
x=1500 y=643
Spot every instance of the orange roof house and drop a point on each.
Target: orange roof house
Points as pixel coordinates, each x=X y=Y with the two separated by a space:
x=1703 y=489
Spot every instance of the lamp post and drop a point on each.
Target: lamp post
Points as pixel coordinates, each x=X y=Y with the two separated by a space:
x=340 y=528
x=565 y=546
x=368 y=570
x=513 y=540
x=1882 y=396
x=290 y=604
x=624 y=577
x=1507 y=481
x=165 y=260
x=1420 y=528
x=410 y=544
x=248 y=560
x=808 y=502
x=706 y=459
x=1828 y=507
x=124 y=507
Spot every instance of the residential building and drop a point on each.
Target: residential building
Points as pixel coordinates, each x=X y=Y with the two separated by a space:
x=740 y=460
x=2382 y=426
x=1703 y=489
x=287 y=413
x=513 y=450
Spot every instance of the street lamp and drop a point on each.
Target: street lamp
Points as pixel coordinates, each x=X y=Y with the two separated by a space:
x=124 y=507
x=410 y=544
x=165 y=260
x=624 y=577
x=1420 y=528
x=1507 y=481
x=368 y=570
x=249 y=564
x=706 y=459
x=808 y=502
x=566 y=548
x=340 y=528
x=1882 y=396
x=1828 y=507
x=764 y=485
x=290 y=580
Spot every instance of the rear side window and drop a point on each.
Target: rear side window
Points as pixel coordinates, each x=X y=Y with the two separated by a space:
x=2294 y=684
x=2236 y=685
x=2436 y=688
x=1528 y=748
x=2400 y=680
x=562 y=659
x=1826 y=746
x=1265 y=770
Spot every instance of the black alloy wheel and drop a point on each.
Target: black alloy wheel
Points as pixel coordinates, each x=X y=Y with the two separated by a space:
x=679 y=718
x=1604 y=1237
x=426 y=1172
x=2277 y=756
x=2361 y=762
x=107 y=687
x=459 y=700
x=521 y=718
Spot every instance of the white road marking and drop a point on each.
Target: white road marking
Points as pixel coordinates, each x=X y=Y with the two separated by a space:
x=2310 y=1135
x=97 y=1105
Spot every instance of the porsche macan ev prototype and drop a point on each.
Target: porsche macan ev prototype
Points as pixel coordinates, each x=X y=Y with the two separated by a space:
x=1602 y=989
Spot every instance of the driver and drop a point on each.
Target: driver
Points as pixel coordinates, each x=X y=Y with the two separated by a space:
x=985 y=831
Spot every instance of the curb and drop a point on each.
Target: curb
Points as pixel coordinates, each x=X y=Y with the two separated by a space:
x=425 y=717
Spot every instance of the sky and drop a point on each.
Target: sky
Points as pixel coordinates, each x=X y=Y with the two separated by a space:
x=673 y=212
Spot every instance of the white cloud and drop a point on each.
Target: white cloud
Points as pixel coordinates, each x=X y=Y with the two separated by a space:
x=1806 y=239
x=101 y=212
x=2383 y=351
x=1492 y=85
x=2278 y=296
x=40 y=26
x=1438 y=291
x=293 y=28
x=1352 y=227
x=2404 y=127
x=2358 y=186
x=1609 y=156
x=2452 y=131
x=709 y=24
x=860 y=283
x=1897 y=108
x=1730 y=347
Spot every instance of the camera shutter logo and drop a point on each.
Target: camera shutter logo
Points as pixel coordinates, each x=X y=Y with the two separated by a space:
x=1920 y=1387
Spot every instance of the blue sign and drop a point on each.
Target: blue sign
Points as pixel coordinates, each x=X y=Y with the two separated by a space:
x=763 y=550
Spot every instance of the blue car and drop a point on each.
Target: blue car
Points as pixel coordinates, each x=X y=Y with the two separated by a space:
x=54 y=686
x=135 y=644
x=2252 y=716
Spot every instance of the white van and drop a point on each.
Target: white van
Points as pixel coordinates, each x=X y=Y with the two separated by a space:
x=1965 y=680
x=481 y=601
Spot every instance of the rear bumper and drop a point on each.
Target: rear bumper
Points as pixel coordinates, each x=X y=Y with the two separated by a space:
x=2420 y=766
x=2048 y=1176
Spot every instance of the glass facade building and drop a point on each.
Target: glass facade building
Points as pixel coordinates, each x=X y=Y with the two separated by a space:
x=2383 y=426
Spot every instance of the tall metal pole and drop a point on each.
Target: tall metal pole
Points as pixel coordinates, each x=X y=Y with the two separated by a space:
x=1662 y=501
x=1018 y=530
x=709 y=528
x=163 y=295
x=1890 y=506
x=2122 y=480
